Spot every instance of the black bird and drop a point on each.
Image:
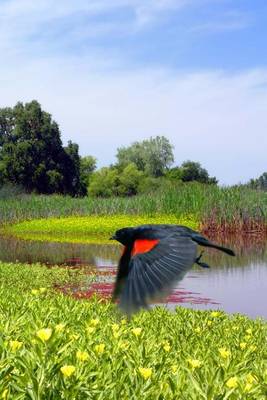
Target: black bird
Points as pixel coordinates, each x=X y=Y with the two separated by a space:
x=154 y=259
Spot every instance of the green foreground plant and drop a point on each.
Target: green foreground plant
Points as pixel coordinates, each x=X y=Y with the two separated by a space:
x=55 y=347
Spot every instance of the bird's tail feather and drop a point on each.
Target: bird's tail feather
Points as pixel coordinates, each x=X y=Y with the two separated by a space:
x=206 y=243
x=224 y=249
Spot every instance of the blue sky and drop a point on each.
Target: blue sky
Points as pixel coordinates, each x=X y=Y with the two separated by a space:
x=115 y=71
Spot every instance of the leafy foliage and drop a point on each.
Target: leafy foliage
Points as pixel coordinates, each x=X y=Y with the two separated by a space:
x=113 y=181
x=104 y=182
x=129 y=180
x=191 y=171
x=259 y=183
x=153 y=156
x=87 y=167
x=32 y=155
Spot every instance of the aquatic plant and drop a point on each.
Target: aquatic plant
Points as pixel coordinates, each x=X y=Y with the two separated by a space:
x=228 y=208
x=93 y=229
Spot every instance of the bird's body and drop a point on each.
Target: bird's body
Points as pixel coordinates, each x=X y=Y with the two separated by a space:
x=154 y=259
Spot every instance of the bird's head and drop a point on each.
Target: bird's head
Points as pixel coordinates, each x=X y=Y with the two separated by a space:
x=125 y=236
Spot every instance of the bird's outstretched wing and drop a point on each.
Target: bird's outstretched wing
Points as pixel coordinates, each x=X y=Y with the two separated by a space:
x=155 y=272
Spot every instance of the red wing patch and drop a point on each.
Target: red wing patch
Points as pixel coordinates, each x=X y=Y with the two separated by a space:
x=143 y=246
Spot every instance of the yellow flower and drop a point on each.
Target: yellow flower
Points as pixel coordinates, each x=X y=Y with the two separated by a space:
x=250 y=378
x=137 y=331
x=116 y=335
x=42 y=290
x=215 y=313
x=94 y=322
x=44 y=334
x=243 y=345
x=145 y=372
x=35 y=292
x=252 y=347
x=82 y=355
x=115 y=327
x=198 y=330
x=4 y=394
x=248 y=387
x=124 y=345
x=164 y=386
x=224 y=353
x=249 y=331
x=194 y=363
x=99 y=348
x=235 y=328
x=232 y=382
x=59 y=327
x=67 y=370
x=174 y=369
x=15 y=345
x=74 y=336
x=167 y=347
x=209 y=323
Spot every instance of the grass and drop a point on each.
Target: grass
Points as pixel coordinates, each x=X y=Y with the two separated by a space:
x=22 y=277
x=93 y=229
x=228 y=209
x=55 y=347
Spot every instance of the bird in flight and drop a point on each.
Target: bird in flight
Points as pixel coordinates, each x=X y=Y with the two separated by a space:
x=154 y=259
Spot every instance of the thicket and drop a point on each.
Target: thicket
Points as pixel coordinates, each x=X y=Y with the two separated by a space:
x=33 y=159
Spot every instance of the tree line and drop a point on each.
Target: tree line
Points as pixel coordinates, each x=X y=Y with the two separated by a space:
x=33 y=157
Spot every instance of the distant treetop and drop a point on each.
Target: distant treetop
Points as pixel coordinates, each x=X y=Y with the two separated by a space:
x=153 y=156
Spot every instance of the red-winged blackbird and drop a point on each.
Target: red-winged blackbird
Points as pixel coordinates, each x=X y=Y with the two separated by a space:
x=154 y=259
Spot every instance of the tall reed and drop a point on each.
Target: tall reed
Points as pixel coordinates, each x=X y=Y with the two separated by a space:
x=225 y=208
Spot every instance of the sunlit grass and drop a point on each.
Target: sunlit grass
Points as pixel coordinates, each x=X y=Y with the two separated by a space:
x=55 y=347
x=93 y=229
x=24 y=277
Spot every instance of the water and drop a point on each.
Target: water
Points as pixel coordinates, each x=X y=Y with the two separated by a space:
x=233 y=284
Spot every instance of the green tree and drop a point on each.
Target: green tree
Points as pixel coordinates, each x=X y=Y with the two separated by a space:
x=31 y=152
x=259 y=183
x=110 y=181
x=129 y=180
x=88 y=166
x=192 y=171
x=72 y=170
x=104 y=183
x=175 y=174
x=7 y=124
x=153 y=156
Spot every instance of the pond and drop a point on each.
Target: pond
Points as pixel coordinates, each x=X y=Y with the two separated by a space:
x=234 y=284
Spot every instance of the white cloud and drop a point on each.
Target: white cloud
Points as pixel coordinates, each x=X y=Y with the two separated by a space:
x=31 y=25
x=25 y=22
x=214 y=117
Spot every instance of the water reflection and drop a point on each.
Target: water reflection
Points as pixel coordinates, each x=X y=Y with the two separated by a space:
x=13 y=249
x=235 y=284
